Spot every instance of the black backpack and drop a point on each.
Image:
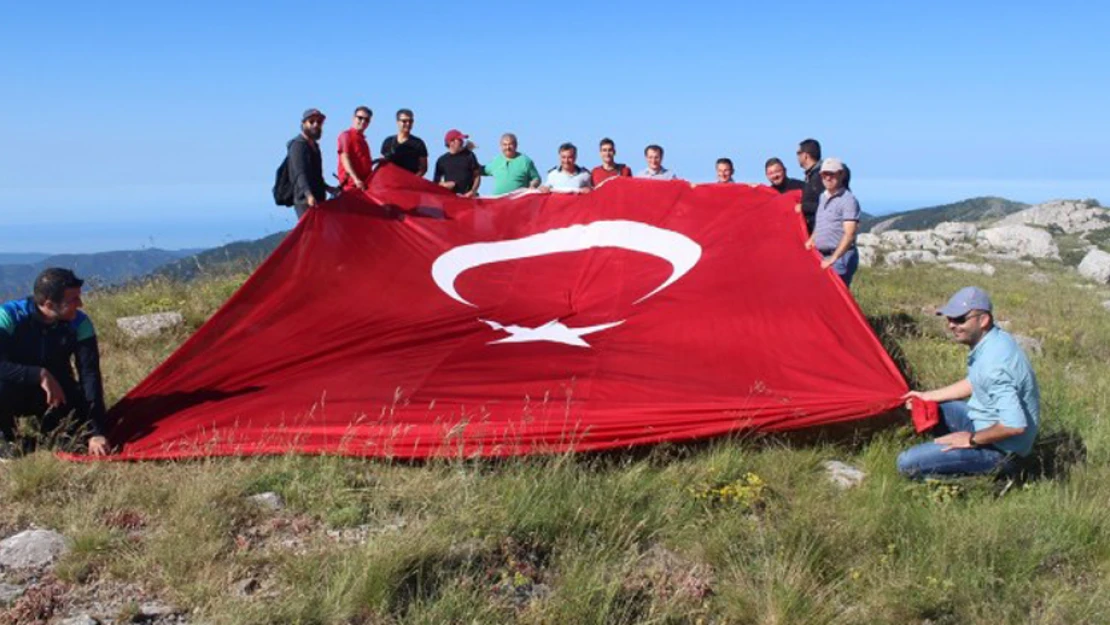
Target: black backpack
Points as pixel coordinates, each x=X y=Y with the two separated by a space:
x=283 y=184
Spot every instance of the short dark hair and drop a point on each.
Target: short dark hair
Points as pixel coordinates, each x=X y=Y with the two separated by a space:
x=568 y=146
x=606 y=141
x=725 y=161
x=774 y=160
x=811 y=147
x=408 y=112
x=364 y=109
x=52 y=283
x=654 y=147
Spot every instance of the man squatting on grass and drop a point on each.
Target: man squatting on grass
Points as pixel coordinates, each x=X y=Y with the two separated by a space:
x=40 y=337
x=1002 y=416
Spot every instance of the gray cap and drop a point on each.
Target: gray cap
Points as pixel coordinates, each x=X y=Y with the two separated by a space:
x=966 y=300
x=310 y=113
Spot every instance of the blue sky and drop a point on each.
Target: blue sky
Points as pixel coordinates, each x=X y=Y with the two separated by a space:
x=135 y=125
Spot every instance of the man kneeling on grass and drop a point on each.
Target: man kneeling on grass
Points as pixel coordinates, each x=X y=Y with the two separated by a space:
x=1001 y=418
x=40 y=337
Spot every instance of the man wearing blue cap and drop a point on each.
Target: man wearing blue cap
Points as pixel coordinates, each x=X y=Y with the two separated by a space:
x=991 y=415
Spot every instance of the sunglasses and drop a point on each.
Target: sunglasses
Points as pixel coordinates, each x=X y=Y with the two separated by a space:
x=962 y=319
x=828 y=174
x=405 y=121
x=362 y=118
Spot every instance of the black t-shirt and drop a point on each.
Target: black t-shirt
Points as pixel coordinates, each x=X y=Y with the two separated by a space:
x=407 y=154
x=790 y=184
x=461 y=169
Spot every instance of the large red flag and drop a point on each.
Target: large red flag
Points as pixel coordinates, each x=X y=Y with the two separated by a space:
x=407 y=322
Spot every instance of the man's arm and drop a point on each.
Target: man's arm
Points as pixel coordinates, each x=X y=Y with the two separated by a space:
x=423 y=169
x=952 y=392
x=298 y=172
x=92 y=385
x=534 y=179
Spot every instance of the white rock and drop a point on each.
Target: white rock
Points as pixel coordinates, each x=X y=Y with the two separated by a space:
x=843 y=475
x=154 y=609
x=32 y=549
x=866 y=256
x=1071 y=216
x=985 y=269
x=1096 y=266
x=270 y=500
x=1029 y=344
x=144 y=326
x=81 y=619
x=1020 y=241
x=912 y=240
x=956 y=231
x=1106 y=304
x=911 y=257
x=9 y=593
x=866 y=239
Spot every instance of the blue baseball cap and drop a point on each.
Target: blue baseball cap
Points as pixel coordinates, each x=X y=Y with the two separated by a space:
x=966 y=300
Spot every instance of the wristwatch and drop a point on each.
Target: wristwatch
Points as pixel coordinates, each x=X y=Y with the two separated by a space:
x=971 y=440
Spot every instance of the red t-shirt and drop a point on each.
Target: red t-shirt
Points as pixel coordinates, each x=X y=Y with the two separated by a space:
x=353 y=143
x=599 y=173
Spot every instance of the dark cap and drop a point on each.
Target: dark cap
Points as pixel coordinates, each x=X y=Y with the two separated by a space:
x=310 y=113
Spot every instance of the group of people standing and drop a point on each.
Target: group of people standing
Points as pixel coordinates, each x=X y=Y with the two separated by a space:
x=830 y=210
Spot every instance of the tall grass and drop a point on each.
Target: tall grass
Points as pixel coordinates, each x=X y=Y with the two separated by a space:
x=746 y=530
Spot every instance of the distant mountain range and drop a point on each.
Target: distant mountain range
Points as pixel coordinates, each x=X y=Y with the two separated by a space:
x=974 y=209
x=237 y=257
x=99 y=269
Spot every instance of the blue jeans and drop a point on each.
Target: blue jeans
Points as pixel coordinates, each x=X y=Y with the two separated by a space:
x=928 y=459
x=846 y=265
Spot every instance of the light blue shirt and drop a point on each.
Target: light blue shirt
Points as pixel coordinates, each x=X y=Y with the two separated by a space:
x=662 y=174
x=832 y=212
x=1003 y=390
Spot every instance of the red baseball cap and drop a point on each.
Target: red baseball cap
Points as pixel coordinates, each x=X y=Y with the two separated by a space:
x=452 y=135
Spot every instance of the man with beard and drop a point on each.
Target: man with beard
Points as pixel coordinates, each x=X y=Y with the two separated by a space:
x=42 y=337
x=776 y=176
x=511 y=170
x=990 y=416
x=306 y=166
x=405 y=149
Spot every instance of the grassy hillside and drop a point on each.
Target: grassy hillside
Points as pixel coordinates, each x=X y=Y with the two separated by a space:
x=746 y=530
x=227 y=260
x=974 y=209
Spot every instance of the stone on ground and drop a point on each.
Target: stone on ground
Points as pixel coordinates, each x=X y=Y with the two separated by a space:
x=32 y=549
x=843 y=475
x=1096 y=266
x=144 y=326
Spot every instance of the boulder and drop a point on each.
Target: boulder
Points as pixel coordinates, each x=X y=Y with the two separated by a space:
x=144 y=326
x=985 y=269
x=956 y=231
x=80 y=619
x=1019 y=241
x=32 y=549
x=866 y=256
x=269 y=500
x=867 y=239
x=843 y=475
x=911 y=257
x=912 y=240
x=1070 y=216
x=1096 y=266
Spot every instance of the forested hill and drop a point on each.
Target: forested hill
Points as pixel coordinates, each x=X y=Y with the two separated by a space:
x=971 y=210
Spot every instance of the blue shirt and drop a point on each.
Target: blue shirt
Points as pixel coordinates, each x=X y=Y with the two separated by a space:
x=832 y=212
x=662 y=174
x=1003 y=390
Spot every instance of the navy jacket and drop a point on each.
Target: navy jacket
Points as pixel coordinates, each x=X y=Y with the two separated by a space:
x=28 y=344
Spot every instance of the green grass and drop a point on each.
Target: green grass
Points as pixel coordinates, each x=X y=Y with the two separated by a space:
x=674 y=535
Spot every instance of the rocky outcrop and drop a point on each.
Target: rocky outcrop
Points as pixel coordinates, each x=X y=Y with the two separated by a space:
x=1070 y=216
x=144 y=326
x=909 y=257
x=1019 y=241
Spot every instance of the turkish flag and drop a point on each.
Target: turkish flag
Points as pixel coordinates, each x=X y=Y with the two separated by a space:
x=407 y=322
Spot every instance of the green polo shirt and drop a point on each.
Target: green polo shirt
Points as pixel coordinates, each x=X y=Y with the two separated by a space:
x=510 y=175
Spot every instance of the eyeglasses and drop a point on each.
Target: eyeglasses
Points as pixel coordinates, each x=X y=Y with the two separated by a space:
x=962 y=319
x=362 y=118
